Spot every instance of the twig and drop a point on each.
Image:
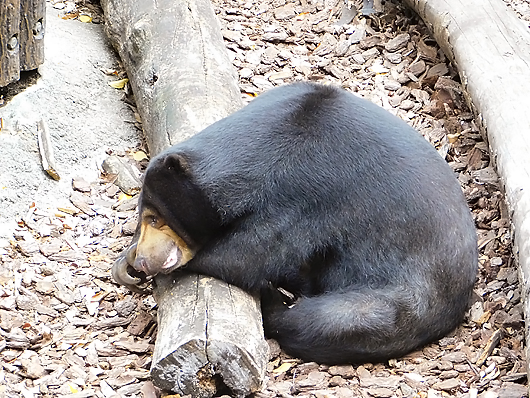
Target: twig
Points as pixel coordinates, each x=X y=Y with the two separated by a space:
x=46 y=150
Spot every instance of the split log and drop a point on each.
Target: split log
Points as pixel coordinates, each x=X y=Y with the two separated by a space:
x=9 y=49
x=32 y=26
x=22 y=25
x=490 y=47
x=209 y=333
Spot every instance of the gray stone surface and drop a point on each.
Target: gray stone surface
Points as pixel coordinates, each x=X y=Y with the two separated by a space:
x=85 y=117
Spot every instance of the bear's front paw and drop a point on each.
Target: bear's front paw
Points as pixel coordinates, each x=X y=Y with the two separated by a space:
x=124 y=274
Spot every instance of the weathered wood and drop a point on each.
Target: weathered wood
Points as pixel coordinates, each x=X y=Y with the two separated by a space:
x=176 y=59
x=202 y=341
x=490 y=47
x=22 y=24
x=183 y=80
x=46 y=150
x=9 y=41
x=32 y=24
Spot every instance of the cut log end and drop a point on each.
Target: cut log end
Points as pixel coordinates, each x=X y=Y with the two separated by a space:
x=199 y=349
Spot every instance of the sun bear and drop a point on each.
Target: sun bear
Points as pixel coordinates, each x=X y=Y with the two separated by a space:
x=316 y=191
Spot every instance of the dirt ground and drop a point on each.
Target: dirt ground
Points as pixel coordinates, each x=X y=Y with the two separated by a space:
x=66 y=329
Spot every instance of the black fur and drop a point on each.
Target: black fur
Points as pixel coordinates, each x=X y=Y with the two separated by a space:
x=332 y=198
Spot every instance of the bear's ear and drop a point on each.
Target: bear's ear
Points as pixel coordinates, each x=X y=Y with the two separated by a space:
x=176 y=163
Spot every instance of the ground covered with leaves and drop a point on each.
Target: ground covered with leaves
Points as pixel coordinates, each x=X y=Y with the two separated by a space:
x=66 y=329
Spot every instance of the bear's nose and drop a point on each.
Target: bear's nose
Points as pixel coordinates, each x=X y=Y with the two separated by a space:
x=141 y=265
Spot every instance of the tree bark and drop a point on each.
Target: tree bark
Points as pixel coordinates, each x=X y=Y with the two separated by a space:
x=177 y=64
x=490 y=47
x=32 y=26
x=22 y=25
x=9 y=41
x=209 y=333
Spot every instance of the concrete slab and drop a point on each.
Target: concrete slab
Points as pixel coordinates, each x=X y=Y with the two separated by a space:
x=85 y=116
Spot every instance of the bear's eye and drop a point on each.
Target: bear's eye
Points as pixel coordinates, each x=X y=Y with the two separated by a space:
x=152 y=220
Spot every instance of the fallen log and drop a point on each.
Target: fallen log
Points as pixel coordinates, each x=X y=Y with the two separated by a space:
x=183 y=81
x=197 y=351
x=177 y=65
x=490 y=47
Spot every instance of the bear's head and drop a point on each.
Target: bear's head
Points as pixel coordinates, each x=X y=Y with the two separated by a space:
x=175 y=216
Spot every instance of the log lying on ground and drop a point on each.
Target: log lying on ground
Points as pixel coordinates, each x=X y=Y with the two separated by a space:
x=183 y=80
x=490 y=47
x=193 y=366
x=177 y=64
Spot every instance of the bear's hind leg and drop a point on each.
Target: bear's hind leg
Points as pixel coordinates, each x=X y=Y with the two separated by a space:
x=353 y=326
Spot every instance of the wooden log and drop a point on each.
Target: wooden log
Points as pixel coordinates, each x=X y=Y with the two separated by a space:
x=176 y=59
x=209 y=333
x=9 y=41
x=203 y=342
x=490 y=47
x=32 y=27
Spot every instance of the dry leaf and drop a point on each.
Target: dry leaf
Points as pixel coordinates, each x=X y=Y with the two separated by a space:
x=139 y=156
x=123 y=196
x=70 y=15
x=118 y=83
x=284 y=367
x=85 y=18
x=67 y=210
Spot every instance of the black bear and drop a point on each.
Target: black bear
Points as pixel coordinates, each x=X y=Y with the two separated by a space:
x=314 y=190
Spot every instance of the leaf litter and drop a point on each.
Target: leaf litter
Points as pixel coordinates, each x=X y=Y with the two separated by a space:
x=66 y=329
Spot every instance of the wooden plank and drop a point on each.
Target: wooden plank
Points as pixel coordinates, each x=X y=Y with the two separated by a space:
x=183 y=81
x=490 y=47
x=32 y=27
x=9 y=41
